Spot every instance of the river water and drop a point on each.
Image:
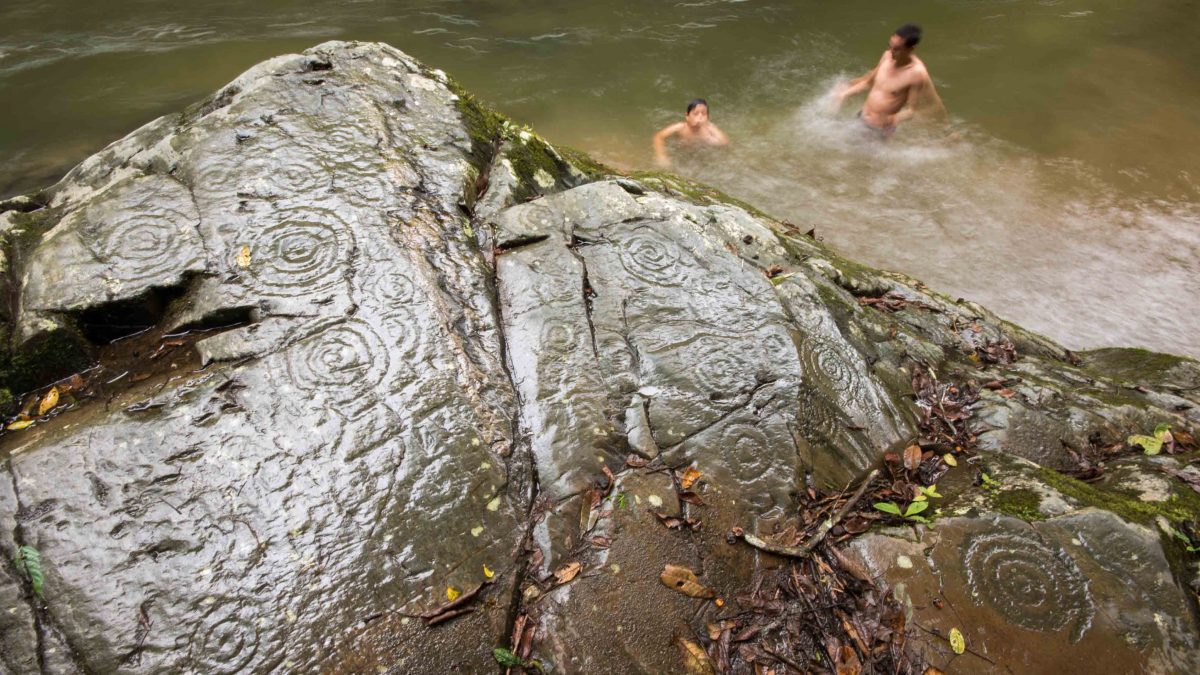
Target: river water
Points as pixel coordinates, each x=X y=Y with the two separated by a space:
x=1065 y=195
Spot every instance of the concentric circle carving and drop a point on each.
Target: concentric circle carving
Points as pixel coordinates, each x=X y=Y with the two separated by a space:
x=1032 y=585
x=301 y=251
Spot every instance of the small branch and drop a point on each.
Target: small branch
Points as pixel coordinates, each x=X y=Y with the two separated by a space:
x=807 y=549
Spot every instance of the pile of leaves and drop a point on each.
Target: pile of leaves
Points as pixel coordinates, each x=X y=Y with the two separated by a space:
x=822 y=611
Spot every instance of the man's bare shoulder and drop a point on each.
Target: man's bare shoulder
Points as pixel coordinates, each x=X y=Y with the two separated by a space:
x=673 y=128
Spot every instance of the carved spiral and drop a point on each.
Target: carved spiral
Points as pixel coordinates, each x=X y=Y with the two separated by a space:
x=653 y=259
x=266 y=165
x=719 y=369
x=226 y=641
x=146 y=243
x=301 y=251
x=829 y=363
x=1030 y=584
x=344 y=362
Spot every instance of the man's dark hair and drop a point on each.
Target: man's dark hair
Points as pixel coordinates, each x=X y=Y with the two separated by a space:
x=910 y=33
x=695 y=102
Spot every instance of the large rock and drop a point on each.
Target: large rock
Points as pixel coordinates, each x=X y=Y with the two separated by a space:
x=448 y=331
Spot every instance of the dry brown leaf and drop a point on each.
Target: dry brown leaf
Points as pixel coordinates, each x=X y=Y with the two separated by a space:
x=912 y=457
x=685 y=581
x=48 y=401
x=933 y=671
x=567 y=572
x=847 y=662
x=695 y=661
x=636 y=462
x=691 y=498
x=690 y=476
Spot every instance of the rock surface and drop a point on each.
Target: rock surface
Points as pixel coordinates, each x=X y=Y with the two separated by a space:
x=446 y=332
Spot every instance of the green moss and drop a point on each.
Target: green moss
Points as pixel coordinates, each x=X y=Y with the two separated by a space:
x=484 y=125
x=1018 y=503
x=585 y=164
x=1132 y=365
x=1182 y=505
x=529 y=155
x=696 y=193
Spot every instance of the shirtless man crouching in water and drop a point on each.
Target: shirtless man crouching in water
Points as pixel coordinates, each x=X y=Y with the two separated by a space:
x=695 y=129
x=897 y=88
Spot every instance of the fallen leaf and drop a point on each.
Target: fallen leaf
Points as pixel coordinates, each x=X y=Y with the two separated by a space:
x=957 y=643
x=567 y=572
x=19 y=424
x=685 y=581
x=933 y=671
x=690 y=476
x=847 y=662
x=691 y=498
x=636 y=462
x=912 y=457
x=1149 y=444
x=48 y=401
x=719 y=602
x=487 y=572
x=600 y=541
x=1007 y=393
x=695 y=661
x=452 y=593
x=243 y=257
x=949 y=459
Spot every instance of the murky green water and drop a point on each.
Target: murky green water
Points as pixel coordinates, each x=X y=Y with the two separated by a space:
x=1069 y=200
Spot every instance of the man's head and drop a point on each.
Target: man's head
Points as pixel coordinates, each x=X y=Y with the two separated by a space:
x=904 y=40
x=697 y=112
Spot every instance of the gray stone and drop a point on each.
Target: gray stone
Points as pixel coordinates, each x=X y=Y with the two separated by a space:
x=449 y=333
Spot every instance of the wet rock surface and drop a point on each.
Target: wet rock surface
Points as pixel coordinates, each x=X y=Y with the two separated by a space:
x=436 y=342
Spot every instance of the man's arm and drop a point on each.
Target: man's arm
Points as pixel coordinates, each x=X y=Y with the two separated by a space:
x=660 y=143
x=923 y=98
x=858 y=84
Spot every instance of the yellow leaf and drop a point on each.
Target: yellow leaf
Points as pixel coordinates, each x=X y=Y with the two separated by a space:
x=488 y=573
x=48 y=401
x=957 y=643
x=690 y=476
x=19 y=424
x=452 y=593
x=949 y=459
x=567 y=572
x=695 y=660
x=243 y=257
x=685 y=581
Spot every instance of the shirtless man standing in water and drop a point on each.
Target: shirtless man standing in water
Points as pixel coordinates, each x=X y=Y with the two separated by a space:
x=897 y=88
x=695 y=129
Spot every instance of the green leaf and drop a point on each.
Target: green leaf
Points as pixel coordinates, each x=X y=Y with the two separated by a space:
x=1162 y=430
x=920 y=498
x=920 y=519
x=620 y=501
x=915 y=508
x=1150 y=444
x=931 y=491
x=29 y=563
x=776 y=280
x=888 y=507
x=507 y=658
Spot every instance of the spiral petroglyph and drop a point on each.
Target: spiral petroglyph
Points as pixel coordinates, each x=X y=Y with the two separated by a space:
x=829 y=363
x=302 y=250
x=652 y=259
x=342 y=362
x=747 y=451
x=390 y=286
x=227 y=640
x=718 y=367
x=147 y=242
x=266 y=165
x=1032 y=585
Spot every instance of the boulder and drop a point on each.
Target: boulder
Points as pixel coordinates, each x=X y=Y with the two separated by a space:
x=431 y=355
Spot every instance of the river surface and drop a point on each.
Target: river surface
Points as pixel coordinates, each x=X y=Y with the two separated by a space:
x=1065 y=195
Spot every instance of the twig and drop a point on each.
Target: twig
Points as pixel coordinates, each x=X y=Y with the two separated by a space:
x=807 y=548
x=461 y=600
